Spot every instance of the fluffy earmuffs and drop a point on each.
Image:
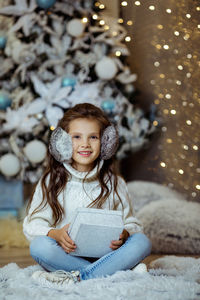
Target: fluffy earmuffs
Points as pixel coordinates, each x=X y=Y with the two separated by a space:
x=61 y=147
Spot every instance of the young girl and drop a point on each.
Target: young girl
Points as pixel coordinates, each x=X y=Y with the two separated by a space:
x=80 y=173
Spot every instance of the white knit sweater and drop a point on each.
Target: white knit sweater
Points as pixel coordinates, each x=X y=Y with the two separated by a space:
x=74 y=196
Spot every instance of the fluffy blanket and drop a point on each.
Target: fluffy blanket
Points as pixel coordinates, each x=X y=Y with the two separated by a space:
x=162 y=284
x=171 y=222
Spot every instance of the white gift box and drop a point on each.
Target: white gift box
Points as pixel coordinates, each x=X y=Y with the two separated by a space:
x=92 y=230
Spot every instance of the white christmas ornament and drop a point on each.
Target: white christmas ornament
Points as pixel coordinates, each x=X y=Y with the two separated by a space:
x=9 y=165
x=106 y=68
x=75 y=27
x=35 y=151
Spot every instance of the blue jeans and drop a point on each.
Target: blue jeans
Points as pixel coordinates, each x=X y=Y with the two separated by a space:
x=51 y=256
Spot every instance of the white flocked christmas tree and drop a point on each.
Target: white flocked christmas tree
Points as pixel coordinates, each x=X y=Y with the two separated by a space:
x=53 y=55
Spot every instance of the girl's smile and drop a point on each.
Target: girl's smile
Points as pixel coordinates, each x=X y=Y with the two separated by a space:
x=86 y=141
x=85 y=153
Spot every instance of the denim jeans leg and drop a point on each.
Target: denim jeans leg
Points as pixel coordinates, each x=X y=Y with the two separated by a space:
x=132 y=252
x=50 y=255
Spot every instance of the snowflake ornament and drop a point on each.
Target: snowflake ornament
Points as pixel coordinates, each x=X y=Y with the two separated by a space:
x=53 y=98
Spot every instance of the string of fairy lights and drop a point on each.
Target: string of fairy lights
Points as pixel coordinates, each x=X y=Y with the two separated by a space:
x=175 y=62
x=102 y=22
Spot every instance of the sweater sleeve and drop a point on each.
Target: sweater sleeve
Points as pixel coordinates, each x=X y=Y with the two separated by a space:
x=38 y=223
x=131 y=223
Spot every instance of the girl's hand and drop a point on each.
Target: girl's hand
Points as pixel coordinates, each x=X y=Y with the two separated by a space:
x=122 y=238
x=62 y=237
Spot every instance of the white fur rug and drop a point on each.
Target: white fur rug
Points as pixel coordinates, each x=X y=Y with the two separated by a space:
x=178 y=280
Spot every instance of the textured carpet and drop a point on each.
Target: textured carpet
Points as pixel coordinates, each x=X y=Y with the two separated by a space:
x=170 y=283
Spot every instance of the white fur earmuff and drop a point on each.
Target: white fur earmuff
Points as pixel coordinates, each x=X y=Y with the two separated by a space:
x=109 y=142
x=60 y=145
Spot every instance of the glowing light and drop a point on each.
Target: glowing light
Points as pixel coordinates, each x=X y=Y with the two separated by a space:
x=157 y=101
x=179 y=133
x=162 y=75
x=163 y=164
x=85 y=20
x=152 y=7
x=185 y=147
x=188 y=122
x=101 y=6
x=124 y=3
x=181 y=171
x=186 y=37
x=169 y=141
x=129 y=22
x=52 y=128
x=158 y=46
x=118 y=53
x=137 y=3
x=198 y=8
x=106 y=27
x=195 y=147
x=168 y=10
x=194 y=194
x=120 y=20
x=176 y=33
x=191 y=164
x=188 y=75
x=198 y=186
x=166 y=47
x=94 y=17
x=102 y=22
x=114 y=33
x=127 y=38
x=164 y=129
x=160 y=26
x=156 y=64
x=178 y=82
x=198 y=26
x=166 y=111
x=188 y=16
x=168 y=96
x=155 y=123
x=173 y=111
x=180 y=67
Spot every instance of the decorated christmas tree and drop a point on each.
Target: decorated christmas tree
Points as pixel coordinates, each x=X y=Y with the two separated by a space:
x=53 y=55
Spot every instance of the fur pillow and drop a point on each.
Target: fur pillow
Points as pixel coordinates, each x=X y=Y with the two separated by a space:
x=172 y=265
x=172 y=225
x=144 y=192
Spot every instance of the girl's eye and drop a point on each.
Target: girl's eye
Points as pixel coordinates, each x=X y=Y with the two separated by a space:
x=94 y=137
x=76 y=136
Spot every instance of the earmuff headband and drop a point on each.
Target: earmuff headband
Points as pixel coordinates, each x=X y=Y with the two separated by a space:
x=61 y=148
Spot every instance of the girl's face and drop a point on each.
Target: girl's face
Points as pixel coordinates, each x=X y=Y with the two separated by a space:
x=86 y=141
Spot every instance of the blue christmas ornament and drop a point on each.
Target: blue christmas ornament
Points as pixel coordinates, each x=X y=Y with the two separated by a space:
x=108 y=105
x=5 y=101
x=66 y=81
x=3 y=41
x=45 y=4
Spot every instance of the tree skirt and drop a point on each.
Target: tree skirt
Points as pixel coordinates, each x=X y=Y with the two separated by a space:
x=16 y=283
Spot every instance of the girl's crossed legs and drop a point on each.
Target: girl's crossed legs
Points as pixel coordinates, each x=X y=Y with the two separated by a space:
x=50 y=255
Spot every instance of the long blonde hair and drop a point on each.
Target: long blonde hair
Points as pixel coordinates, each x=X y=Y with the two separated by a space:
x=58 y=175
